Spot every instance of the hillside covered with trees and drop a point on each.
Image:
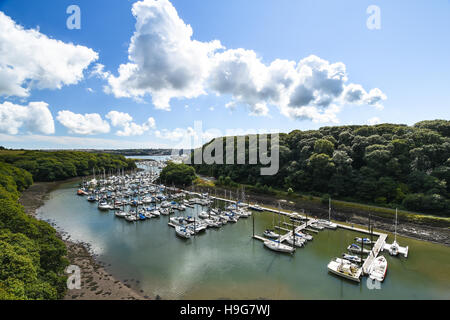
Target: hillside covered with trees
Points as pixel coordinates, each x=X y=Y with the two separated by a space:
x=387 y=165
x=60 y=165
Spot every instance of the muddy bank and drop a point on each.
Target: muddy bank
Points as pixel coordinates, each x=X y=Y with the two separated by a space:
x=96 y=282
x=422 y=232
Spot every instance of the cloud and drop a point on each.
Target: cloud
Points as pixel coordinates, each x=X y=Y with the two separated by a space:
x=373 y=121
x=34 y=118
x=88 y=124
x=166 y=62
x=29 y=59
x=129 y=128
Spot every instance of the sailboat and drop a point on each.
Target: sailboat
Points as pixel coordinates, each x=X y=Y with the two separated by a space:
x=327 y=223
x=394 y=249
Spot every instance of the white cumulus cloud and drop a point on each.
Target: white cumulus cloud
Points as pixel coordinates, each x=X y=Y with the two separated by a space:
x=127 y=127
x=166 y=62
x=33 y=118
x=87 y=124
x=29 y=59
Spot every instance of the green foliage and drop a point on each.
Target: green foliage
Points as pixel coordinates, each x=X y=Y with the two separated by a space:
x=177 y=174
x=389 y=165
x=60 y=165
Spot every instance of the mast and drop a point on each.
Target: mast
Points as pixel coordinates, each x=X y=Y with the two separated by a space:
x=329 y=209
x=395 y=233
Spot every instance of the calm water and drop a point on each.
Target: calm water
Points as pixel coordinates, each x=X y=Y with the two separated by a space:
x=227 y=263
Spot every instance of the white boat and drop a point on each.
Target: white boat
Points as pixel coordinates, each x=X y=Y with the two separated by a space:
x=103 y=205
x=304 y=236
x=345 y=269
x=327 y=224
x=299 y=242
x=256 y=207
x=212 y=223
x=183 y=232
x=317 y=226
x=377 y=271
x=271 y=234
x=275 y=245
x=204 y=215
x=148 y=214
x=357 y=249
x=156 y=213
x=394 y=249
x=351 y=258
x=131 y=218
x=366 y=241
x=120 y=214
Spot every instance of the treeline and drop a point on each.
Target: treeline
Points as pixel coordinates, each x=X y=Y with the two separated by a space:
x=60 y=165
x=32 y=259
x=388 y=165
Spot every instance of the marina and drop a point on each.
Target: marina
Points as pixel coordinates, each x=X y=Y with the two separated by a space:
x=225 y=262
x=140 y=191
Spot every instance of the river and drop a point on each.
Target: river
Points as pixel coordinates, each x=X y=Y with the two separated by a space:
x=228 y=264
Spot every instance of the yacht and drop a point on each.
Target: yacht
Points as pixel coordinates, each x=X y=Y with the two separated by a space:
x=366 y=241
x=120 y=214
x=351 y=258
x=299 y=242
x=271 y=234
x=183 y=232
x=357 y=249
x=275 y=245
x=377 y=270
x=345 y=269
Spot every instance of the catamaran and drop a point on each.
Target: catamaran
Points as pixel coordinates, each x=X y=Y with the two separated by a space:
x=394 y=248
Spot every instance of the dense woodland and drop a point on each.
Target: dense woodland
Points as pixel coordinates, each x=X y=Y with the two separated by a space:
x=387 y=165
x=60 y=165
x=177 y=174
x=32 y=257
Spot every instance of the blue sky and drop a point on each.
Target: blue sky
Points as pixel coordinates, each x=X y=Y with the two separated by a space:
x=407 y=60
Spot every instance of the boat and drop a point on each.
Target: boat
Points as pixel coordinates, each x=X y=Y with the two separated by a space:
x=345 y=269
x=351 y=258
x=366 y=241
x=377 y=271
x=183 y=232
x=103 y=205
x=276 y=245
x=299 y=242
x=305 y=236
x=271 y=234
x=357 y=249
x=317 y=226
x=394 y=249
x=131 y=218
x=204 y=215
x=327 y=224
x=120 y=214
x=256 y=207
x=81 y=192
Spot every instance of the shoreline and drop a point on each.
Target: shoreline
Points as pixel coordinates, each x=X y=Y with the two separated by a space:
x=96 y=282
x=437 y=235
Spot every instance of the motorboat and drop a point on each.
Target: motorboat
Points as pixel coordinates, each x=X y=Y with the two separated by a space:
x=276 y=245
x=366 y=241
x=120 y=214
x=298 y=242
x=103 y=205
x=357 y=249
x=351 y=258
x=183 y=232
x=271 y=234
x=327 y=224
x=345 y=269
x=377 y=271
